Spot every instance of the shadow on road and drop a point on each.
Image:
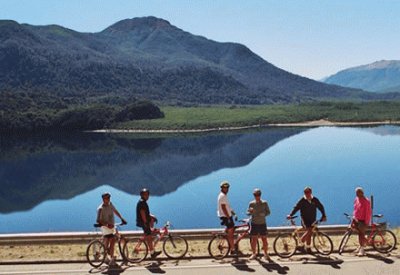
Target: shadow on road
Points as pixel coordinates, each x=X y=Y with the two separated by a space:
x=154 y=267
x=316 y=259
x=241 y=265
x=273 y=266
x=379 y=257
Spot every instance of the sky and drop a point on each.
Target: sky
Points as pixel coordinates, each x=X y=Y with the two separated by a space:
x=312 y=38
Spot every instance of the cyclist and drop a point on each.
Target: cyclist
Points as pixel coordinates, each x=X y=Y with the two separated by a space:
x=105 y=217
x=258 y=209
x=145 y=220
x=308 y=206
x=225 y=213
x=361 y=218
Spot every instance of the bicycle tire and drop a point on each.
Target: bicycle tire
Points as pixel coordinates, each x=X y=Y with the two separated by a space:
x=285 y=245
x=175 y=247
x=349 y=243
x=322 y=243
x=96 y=253
x=135 y=250
x=387 y=241
x=218 y=247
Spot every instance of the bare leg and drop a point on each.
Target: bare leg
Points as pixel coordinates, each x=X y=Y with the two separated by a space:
x=306 y=238
x=361 y=236
x=149 y=241
x=230 y=232
x=112 y=244
x=265 y=245
x=253 y=242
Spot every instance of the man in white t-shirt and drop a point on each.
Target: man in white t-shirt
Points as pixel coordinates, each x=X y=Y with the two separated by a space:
x=225 y=213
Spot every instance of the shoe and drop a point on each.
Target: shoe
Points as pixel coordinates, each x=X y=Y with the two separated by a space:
x=253 y=257
x=155 y=254
x=308 y=250
x=301 y=249
x=233 y=252
x=112 y=262
x=107 y=260
x=267 y=258
x=361 y=252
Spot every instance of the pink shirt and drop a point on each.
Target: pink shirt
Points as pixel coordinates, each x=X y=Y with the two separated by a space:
x=362 y=209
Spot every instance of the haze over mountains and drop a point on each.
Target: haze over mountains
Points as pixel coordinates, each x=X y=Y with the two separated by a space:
x=147 y=58
x=381 y=77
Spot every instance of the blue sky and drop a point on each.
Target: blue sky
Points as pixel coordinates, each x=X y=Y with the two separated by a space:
x=313 y=38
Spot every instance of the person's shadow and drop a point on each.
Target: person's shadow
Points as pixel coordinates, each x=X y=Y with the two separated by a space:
x=155 y=267
x=332 y=261
x=379 y=257
x=241 y=265
x=274 y=266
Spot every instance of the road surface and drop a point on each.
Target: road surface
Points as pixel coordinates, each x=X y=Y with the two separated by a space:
x=373 y=264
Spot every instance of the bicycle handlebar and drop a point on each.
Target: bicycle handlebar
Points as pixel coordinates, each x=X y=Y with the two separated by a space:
x=117 y=224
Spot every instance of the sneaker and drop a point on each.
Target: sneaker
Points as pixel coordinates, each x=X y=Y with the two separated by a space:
x=155 y=254
x=233 y=252
x=253 y=257
x=267 y=258
x=112 y=262
x=308 y=250
x=107 y=260
x=361 y=252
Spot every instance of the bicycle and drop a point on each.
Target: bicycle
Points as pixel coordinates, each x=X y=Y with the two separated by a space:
x=219 y=246
x=286 y=244
x=382 y=240
x=174 y=246
x=96 y=251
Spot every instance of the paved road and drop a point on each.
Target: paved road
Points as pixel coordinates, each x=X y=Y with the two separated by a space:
x=374 y=264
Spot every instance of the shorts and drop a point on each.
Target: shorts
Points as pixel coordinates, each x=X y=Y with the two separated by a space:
x=146 y=229
x=258 y=229
x=107 y=232
x=360 y=225
x=228 y=222
x=307 y=224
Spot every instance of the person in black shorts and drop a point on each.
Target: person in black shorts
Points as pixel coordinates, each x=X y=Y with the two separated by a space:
x=258 y=209
x=225 y=213
x=308 y=206
x=145 y=220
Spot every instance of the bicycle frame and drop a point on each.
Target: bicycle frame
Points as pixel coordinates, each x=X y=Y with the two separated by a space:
x=374 y=228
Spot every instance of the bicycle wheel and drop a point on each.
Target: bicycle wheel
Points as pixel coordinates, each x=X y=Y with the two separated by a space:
x=322 y=243
x=135 y=250
x=218 y=247
x=285 y=245
x=384 y=241
x=96 y=253
x=349 y=243
x=175 y=247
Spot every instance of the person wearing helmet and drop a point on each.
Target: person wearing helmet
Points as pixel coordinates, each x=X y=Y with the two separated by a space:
x=308 y=206
x=225 y=213
x=258 y=209
x=145 y=220
x=105 y=217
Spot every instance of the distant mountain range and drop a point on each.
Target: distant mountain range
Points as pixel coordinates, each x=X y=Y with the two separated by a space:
x=381 y=77
x=147 y=58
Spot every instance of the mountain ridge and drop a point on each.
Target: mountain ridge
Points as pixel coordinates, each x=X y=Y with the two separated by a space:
x=381 y=77
x=148 y=58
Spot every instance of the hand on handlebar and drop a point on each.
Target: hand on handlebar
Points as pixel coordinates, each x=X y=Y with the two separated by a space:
x=123 y=221
x=288 y=217
x=323 y=219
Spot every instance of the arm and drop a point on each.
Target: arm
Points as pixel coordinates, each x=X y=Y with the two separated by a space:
x=223 y=206
x=296 y=208
x=321 y=209
x=267 y=210
x=98 y=220
x=144 y=217
x=119 y=216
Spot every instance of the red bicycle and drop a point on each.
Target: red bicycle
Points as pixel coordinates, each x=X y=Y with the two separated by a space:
x=382 y=240
x=219 y=247
x=174 y=247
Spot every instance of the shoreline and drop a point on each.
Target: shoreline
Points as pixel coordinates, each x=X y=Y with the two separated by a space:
x=314 y=123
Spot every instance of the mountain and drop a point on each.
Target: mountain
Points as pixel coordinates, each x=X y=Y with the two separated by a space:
x=381 y=76
x=147 y=58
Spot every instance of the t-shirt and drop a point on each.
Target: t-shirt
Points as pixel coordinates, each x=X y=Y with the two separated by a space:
x=260 y=211
x=223 y=199
x=142 y=204
x=105 y=214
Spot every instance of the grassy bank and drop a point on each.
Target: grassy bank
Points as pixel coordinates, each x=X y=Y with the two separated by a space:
x=224 y=116
x=76 y=252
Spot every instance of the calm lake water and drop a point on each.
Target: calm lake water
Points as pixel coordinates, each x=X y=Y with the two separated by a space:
x=54 y=183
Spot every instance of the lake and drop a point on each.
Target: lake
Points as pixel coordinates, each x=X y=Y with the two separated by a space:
x=54 y=182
